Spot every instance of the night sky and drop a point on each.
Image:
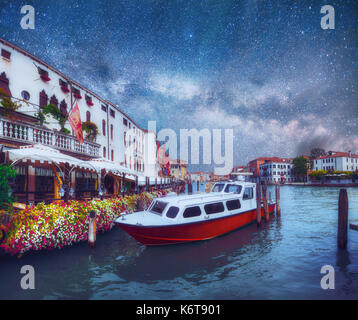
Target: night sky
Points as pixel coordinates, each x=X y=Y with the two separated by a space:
x=264 y=68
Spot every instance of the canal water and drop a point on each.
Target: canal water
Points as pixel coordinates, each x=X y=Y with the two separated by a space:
x=282 y=260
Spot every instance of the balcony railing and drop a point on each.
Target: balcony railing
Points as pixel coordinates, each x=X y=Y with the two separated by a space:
x=29 y=133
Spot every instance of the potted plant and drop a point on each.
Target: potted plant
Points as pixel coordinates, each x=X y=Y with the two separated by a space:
x=91 y=130
x=7 y=104
x=56 y=113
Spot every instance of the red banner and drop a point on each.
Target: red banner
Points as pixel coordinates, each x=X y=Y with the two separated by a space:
x=75 y=122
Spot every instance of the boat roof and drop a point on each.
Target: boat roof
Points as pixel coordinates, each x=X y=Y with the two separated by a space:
x=187 y=200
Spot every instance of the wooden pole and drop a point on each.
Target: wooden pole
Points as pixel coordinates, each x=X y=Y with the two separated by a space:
x=258 y=204
x=278 y=205
x=190 y=188
x=197 y=186
x=342 y=219
x=123 y=184
x=264 y=195
x=92 y=229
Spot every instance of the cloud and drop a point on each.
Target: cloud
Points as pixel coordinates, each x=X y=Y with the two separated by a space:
x=177 y=87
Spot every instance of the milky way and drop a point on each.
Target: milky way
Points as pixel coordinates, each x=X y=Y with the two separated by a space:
x=264 y=68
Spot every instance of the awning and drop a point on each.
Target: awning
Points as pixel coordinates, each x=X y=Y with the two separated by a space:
x=41 y=153
x=111 y=166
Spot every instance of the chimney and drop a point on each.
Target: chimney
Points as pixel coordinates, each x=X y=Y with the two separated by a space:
x=349 y=153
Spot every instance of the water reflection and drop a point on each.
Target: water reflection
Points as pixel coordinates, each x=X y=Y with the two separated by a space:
x=281 y=260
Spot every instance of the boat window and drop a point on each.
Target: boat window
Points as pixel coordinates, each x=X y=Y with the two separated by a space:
x=214 y=208
x=158 y=207
x=172 y=212
x=192 y=212
x=248 y=193
x=233 y=188
x=233 y=204
x=218 y=187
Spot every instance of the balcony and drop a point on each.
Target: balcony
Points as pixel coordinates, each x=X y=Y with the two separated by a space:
x=25 y=133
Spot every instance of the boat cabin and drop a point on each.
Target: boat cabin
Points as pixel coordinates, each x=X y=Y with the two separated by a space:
x=194 y=208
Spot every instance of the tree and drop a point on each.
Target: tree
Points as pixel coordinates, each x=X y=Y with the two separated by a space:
x=6 y=174
x=300 y=167
x=317 y=152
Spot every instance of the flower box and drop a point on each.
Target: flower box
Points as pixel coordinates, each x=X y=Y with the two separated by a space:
x=65 y=89
x=90 y=103
x=44 y=77
x=77 y=96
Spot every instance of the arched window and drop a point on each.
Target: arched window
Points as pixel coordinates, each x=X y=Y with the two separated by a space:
x=111 y=131
x=104 y=152
x=54 y=101
x=125 y=142
x=104 y=127
x=88 y=116
x=63 y=107
x=43 y=99
x=4 y=84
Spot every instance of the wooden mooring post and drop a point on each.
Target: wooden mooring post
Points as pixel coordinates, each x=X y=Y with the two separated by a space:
x=190 y=188
x=342 y=219
x=197 y=186
x=264 y=197
x=277 y=195
x=258 y=204
x=92 y=226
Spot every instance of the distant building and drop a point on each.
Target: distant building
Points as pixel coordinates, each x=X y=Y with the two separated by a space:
x=178 y=168
x=277 y=171
x=336 y=161
x=254 y=166
x=200 y=176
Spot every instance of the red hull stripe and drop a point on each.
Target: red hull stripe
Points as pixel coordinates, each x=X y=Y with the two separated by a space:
x=200 y=230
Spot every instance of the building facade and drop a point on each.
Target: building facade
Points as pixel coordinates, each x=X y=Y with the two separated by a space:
x=336 y=161
x=277 y=171
x=33 y=84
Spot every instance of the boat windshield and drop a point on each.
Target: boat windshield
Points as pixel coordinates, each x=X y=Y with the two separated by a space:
x=218 y=187
x=235 y=188
x=158 y=207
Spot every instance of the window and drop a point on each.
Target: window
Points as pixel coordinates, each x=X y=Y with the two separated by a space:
x=218 y=187
x=104 y=108
x=43 y=74
x=233 y=204
x=104 y=152
x=158 y=207
x=54 y=101
x=4 y=84
x=172 y=212
x=214 y=208
x=233 y=188
x=125 y=142
x=104 y=127
x=248 y=193
x=192 y=212
x=112 y=113
x=111 y=131
x=25 y=95
x=88 y=116
x=5 y=54
x=88 y=100
x=77 y=93
x=125 y=122
x=43 y=99
x=63 y=107
x=112 y=155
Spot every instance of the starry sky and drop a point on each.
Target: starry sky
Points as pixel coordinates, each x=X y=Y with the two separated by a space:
x=264 y=68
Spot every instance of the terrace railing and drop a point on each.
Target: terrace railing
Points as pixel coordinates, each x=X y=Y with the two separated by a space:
x=26 y=133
